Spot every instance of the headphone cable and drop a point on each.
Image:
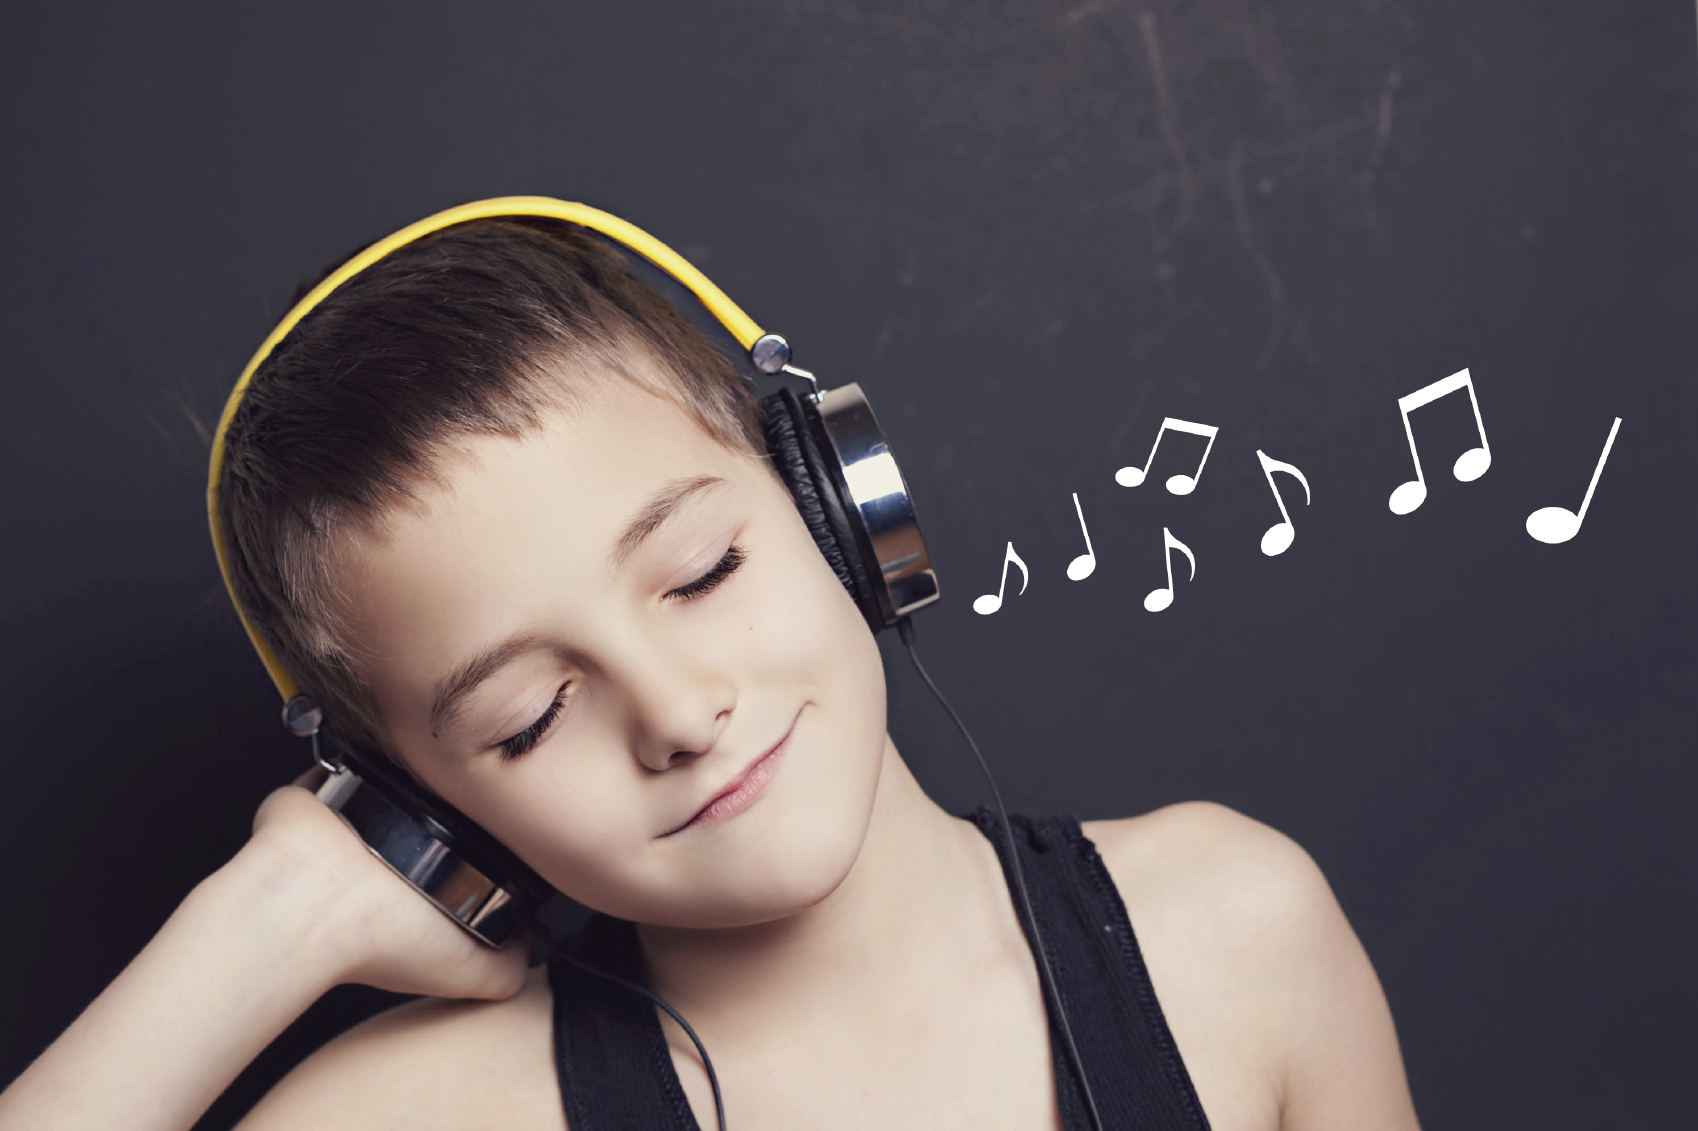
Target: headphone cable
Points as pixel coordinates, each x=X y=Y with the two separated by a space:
x=905 y=629
x=701 y=1049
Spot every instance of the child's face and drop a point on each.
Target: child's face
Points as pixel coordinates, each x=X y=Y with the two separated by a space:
x=667 y=701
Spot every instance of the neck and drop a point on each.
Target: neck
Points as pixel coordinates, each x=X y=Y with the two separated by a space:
x=925 y=892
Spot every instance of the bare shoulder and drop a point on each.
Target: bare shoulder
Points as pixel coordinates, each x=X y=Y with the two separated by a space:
x=1199 y=852
x=1272 y=1001
x=427 y=1065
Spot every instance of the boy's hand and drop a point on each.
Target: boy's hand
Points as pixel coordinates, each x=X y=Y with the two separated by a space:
x=378 y=929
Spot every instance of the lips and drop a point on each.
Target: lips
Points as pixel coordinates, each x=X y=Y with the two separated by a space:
x=743 y=790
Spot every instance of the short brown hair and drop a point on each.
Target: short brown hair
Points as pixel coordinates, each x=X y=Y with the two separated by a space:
x=474 y=330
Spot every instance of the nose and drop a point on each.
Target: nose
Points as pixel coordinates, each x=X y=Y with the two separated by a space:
x=680 y=704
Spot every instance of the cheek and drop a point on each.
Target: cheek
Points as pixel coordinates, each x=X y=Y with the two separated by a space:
x=806 y=638
x=576 y=817
x=797 y=609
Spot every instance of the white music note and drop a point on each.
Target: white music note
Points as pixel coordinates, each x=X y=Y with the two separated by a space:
x=1178 y=484
x=1080 y=567
x=1470 y=465
x=1280 y=535
x=1160 y=599
x=1559 y=524
x=991 y=602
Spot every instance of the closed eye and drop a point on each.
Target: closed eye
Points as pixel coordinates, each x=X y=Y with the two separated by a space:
x=724 y=568
x=521 y=743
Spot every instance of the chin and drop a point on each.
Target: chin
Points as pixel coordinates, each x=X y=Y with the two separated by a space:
x=798 y=871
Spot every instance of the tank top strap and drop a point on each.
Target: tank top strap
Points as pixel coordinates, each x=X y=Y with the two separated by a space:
x=1128 y=1053
x=614 y=1065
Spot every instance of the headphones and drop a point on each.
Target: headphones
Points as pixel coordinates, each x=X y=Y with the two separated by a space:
x=826 y=446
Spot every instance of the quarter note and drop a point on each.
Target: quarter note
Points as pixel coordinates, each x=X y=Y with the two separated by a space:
x=991 y=602
x=1080 y=567
x=1178 y=484
x=1160 y=599
x=1470 y=465
x=1559 y=524
x=1280 y=535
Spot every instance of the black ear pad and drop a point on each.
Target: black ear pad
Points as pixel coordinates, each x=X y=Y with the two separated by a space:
x=796 y=442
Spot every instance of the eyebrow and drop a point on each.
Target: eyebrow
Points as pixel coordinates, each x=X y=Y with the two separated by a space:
x=664 y=503
x=450 y=692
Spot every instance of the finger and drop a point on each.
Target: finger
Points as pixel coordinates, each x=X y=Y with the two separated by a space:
x=499 y=974
x=285 y=796
x=312 y=778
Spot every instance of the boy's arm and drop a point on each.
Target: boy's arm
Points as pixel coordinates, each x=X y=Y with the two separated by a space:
x=240 y=959
x=302 y=907
x=1344 y=1070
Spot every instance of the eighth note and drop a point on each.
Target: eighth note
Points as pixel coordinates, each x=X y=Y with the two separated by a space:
x=1080 y=567
x=1280 y=535
x=991 y=602
x=1160 y=599
x=1559 y=524
x=1178 y=484
x=1470 y=465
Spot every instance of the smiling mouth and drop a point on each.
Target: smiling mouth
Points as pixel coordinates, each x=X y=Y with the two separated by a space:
x=743 y=790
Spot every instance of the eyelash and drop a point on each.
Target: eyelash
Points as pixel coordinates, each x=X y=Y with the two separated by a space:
x=724 y=568
x=522 y=743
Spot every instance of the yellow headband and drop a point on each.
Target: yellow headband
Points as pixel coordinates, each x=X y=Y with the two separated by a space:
x=741 y=326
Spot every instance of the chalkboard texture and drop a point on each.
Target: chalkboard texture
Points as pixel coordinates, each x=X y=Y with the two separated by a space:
x=1032 y=232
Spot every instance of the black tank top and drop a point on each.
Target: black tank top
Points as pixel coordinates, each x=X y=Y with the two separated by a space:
x=616 y=1071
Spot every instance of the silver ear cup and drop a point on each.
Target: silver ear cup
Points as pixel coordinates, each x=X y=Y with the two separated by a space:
x=421 y=852
x=880 y=506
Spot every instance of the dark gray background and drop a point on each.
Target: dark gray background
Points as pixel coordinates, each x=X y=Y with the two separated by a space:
x=1029 y=244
